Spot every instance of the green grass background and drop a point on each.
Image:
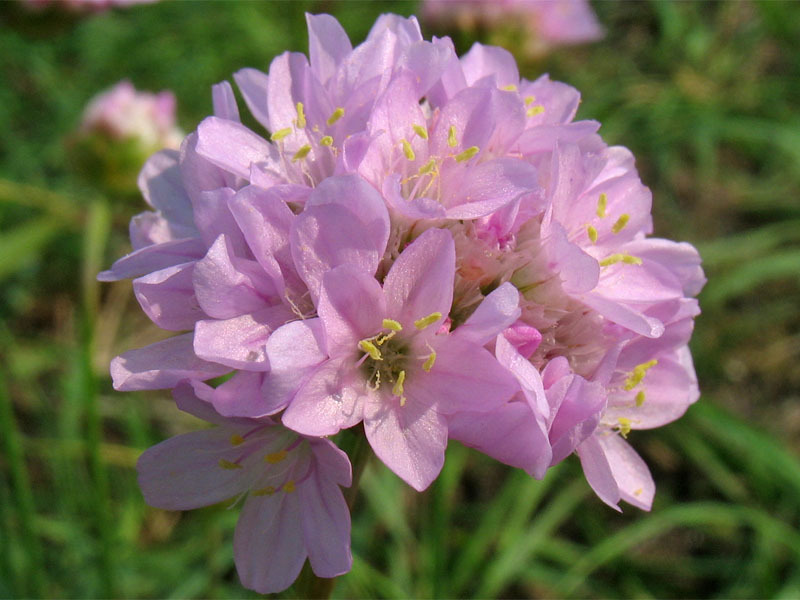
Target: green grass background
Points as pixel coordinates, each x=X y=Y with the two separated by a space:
x=705 y=94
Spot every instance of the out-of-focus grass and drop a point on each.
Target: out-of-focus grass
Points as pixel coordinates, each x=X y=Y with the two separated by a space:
x=706 y=96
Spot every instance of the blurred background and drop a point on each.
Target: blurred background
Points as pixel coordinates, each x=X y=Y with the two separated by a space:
x=705 y=94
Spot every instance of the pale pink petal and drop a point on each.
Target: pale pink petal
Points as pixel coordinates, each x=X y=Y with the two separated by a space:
x=326 y=525
x=464 y=376
x=326 y=236
x=214 y=218
x=184 y=472
x=330 y=399
x=331 y=461
x=293 y=351
x=577 y=405
x=268 y=545
x=351 y=307
x=167 y=297
x=162 y=187
x=511 y=434
x=630 y=472
x=328 y=45
x=499 y=310
x=490 y=61
x=227 y=286
x=232 y=146
x=161 y=366
x=420 y=281
x=409 y=439
x=598 y=472
x=253 y=85
x=154 y=258
x=240 y=342
x=224 y=102
x=490 y=186
x=240 y=396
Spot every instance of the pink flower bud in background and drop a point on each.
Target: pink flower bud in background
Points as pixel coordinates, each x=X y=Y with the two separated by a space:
x=542 y=24
x=125 y=113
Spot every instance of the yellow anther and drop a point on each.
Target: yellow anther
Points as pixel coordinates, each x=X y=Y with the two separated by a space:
x=265 y=491
x=289 y=486
x=226 y=464
x=428 y=167
x=638 y=492
x=535 y=110
x=592 y=233
x=420 y=131
x=370 y=349
x=638 y=373
x=428 y=364
x=392 y=324
x=624 y=426
x=509 y=88
x=621 y=222
x=467 y=154
x=275 y=457
x=427 y=321
x=301 y=153
x=530 y=100
x=326 y=141
x=623 y=258
x=236 y=440
x=301 y=116
x=280 y=134
x=397 y=389
x=335 y=116
x=452 y=141
x=408 y=150
x=640 y=398
x=602 y=202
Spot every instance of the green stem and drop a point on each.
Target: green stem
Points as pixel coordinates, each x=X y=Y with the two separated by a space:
x=354 y=443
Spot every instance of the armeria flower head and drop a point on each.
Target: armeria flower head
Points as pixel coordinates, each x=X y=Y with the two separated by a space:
x=293 y=507
x=427 y=244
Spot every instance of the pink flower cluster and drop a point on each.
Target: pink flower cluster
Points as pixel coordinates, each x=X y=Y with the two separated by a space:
x=425 y=244
x=123 y=113
x=544 y=23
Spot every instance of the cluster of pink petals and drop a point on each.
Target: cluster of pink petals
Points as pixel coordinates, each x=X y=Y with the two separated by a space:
x=425 y=244
x=124 y=113
x=547 y=23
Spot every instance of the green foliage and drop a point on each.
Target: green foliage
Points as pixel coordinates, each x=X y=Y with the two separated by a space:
x=705 y=94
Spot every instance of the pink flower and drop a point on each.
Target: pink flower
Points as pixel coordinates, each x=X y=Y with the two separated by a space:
x=293 y=507
x=124 y=113
x=386 y=360
x=545 y=23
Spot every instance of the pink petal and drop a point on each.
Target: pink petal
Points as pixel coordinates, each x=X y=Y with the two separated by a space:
x=162 y=187
x=328 y=45
x=154 y=258
x=326 y=236
x=577 y=406
x=630 y=472
x=510 y=434
x=227 y=286
x=499 y=310
x=253 y=85
x=326 y=525
x=214 y=218
x=167 y=297
x=420 y=282
x=240 y=396
x=409 y=439
x=351 y=307
x=490 y=186
x=598 y=472
x=232 y=146
x=490 y=61
x=240 y=342
x=332 y=462
x=224 y=102
x=183 y=472
x=161 y=366
x=464 y=377
x=330 y=399
x=293 y=351
x=268 y=543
